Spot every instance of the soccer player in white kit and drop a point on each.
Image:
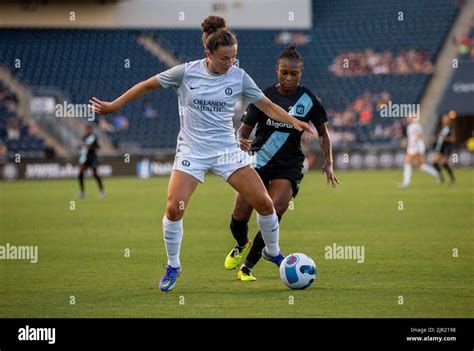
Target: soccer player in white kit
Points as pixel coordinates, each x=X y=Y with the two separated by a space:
x=415 y=152
x=208 y=90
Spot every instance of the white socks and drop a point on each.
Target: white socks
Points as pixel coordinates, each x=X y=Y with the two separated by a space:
x=173 y=235
x=270 y=229
x=430 y=170
x=407 y=170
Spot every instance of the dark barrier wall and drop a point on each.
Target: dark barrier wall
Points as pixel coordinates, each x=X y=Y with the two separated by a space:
x=149 y=167
x=69 y=168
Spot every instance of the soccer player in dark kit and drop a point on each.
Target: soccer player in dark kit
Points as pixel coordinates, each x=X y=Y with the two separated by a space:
x=443 y=148
x=88 y=159
x=278 y=158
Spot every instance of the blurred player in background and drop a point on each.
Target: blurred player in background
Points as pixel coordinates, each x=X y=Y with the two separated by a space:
x=443 y=148
x=278 y=155
x=208 y=90
x=415 y=152
x=88 y=159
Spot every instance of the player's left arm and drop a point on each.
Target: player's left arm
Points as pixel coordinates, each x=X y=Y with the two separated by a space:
x=326 y=147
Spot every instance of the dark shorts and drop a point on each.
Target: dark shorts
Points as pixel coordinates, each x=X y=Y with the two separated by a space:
x=445 y=149
x=91 y=162
x=294 y=175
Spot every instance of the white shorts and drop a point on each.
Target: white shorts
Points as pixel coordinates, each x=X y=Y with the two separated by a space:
x=223 y=165
x=417 y=148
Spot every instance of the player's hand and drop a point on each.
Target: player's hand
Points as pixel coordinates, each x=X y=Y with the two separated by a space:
x=302 y=126
x=102 y=107
x=307 y=137
x=329 y=172
x=245 y=144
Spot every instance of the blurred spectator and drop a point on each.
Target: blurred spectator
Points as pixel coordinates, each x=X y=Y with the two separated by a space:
x=13 y=127
x=8 y=98
x=33 y=130
x=120 y=122
x=3 y=150
x=285 y=38
x=466 y=46
x=360 y=123
x=114 y=124
x=369 y=62
x=106 y=126
x=147 y=109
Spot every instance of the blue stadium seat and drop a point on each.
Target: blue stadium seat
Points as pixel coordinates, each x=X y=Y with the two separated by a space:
x=83 y=62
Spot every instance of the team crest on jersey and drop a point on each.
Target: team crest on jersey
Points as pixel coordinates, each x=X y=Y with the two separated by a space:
x=300 y=109
x=228 y=91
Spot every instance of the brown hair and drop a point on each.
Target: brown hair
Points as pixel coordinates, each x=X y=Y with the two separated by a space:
x=215 y=33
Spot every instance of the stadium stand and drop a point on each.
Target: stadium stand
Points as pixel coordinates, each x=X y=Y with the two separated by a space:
x=15 y=136
x=92 y=62
x=82 y=63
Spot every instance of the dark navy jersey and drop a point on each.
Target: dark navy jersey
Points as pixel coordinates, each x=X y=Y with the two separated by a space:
x=88 y=149
x=441 y=141
x=278 y=145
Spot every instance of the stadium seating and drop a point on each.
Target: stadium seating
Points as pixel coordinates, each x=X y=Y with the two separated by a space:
x=83 y=63
x=20 y=140
x=342 y=26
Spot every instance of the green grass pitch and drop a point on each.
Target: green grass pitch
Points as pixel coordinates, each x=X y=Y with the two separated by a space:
x=408 y=252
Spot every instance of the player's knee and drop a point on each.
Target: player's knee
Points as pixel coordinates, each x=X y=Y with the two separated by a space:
x=280 y=207
x=241 y=214
x=264 y=206
x=174 y=210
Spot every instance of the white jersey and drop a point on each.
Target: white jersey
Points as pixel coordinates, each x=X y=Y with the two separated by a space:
x=207 y=105
x=415 y=141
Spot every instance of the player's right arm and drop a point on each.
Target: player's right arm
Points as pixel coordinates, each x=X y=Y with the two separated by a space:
x=138 y=90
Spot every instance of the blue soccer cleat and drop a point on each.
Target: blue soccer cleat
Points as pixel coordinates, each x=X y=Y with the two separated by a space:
x=168 y=281
x=275 y=259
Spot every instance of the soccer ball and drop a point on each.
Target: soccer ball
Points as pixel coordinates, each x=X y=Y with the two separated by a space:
x=298 y=271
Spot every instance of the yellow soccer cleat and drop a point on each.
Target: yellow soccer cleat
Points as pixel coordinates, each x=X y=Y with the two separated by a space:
x=235 y=255
x=245 y=277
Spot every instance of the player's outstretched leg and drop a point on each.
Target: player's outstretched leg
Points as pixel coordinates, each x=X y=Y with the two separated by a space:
x=450 y=172
x=181 y=187
x=80 y=178
x=255 y=253
x=431 y=171
x=99 y=183
x=239 y=228
x=438 y=168
x=247 y=182
x=407 y=171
